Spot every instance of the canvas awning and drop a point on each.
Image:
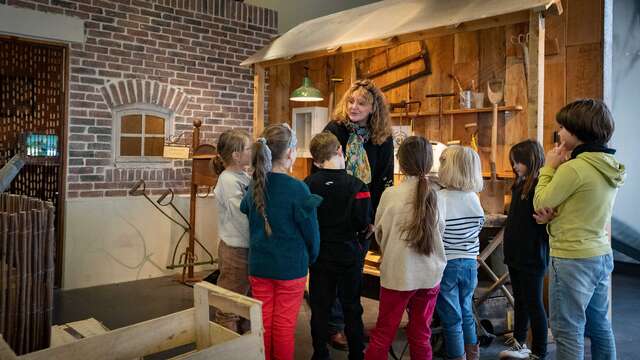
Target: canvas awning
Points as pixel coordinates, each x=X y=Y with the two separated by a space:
x=385 y=20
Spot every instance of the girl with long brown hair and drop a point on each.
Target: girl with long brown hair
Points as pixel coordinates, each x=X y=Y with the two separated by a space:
x=284 y=237
x=526 y=253
x=409 y=226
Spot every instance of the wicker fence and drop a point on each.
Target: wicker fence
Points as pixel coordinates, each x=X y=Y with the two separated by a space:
x=27 y=246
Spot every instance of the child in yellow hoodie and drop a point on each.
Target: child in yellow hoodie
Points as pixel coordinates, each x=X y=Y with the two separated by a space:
x=580 y=180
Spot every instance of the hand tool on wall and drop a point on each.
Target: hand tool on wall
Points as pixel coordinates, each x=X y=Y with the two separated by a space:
x=440 y=96
x=494 y=188
x=523 y=40
x=423 y=55
x=406 y=106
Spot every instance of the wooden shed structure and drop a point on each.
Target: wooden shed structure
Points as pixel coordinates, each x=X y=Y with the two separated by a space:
x=468 y=43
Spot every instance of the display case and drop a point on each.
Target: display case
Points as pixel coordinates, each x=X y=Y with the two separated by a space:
x=306 y=122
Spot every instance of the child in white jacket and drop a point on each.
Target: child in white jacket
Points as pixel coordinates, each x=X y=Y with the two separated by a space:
x=409 y=228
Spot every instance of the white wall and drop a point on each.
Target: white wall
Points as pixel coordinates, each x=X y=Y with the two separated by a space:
x=39 y=25
x=625 y=105
x=112 y=240
x=292 y=13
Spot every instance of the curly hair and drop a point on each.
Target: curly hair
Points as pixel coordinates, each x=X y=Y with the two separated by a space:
x=379 y=120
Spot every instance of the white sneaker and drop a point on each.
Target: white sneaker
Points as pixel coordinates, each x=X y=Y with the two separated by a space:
x=516 y=351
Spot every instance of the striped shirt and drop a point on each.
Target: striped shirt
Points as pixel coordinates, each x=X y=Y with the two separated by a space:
x=463 y=221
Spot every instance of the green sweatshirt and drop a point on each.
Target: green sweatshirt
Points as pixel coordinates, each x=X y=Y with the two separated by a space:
x=582 y=191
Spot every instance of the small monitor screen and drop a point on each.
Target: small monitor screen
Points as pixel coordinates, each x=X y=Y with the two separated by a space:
x=41 y=144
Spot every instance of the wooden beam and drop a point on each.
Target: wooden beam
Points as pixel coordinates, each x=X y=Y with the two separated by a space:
x=229 y=301
x=220 y=334
x=555 y=9
x=535 y=121
x=474 y=25
x=258 y=99
x=242 y=348
x=279 y=91
x=201 y=302
x=140 y=339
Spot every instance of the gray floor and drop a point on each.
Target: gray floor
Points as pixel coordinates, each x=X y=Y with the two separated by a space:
x=128 y=303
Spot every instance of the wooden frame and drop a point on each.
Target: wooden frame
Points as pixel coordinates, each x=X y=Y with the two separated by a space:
x=171 y=331
x=64 y=141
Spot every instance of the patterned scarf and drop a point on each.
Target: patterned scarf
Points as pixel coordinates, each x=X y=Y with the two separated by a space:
x=357 y=162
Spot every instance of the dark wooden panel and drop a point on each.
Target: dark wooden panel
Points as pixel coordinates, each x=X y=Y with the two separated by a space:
x=584 y=71
x=584 y=21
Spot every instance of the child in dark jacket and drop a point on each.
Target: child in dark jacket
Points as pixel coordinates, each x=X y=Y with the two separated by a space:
x=526 y=253
x=343 y=216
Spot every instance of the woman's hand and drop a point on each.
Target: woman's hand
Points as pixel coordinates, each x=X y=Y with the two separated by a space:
x=544 y=215
x=556 y=156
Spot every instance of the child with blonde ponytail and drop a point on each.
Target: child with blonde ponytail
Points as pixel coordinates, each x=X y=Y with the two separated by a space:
x=284 y=237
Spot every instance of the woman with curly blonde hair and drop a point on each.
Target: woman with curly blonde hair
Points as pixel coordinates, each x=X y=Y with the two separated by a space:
x=362 y=124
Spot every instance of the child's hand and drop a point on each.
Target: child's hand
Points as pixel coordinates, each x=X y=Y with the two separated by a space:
x=544 y=215
x=369 y=231
x=556 y=156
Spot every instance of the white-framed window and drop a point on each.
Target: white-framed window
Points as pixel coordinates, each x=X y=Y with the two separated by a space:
x=139 y=134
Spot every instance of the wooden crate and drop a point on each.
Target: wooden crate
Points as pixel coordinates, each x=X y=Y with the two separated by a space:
x=171 y=331
x=74 y=331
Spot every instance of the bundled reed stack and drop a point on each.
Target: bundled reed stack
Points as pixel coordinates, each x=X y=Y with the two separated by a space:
x=27 y=246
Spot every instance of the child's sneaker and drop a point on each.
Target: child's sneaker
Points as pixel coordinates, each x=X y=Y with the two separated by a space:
x=516 y=351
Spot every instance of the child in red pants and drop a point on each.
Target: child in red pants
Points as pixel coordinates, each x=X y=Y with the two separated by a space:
x=283 y=237
x=409 y=230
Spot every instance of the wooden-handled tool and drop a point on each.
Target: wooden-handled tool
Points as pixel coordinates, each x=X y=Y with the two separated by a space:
x=492 y=197
x=495 y=96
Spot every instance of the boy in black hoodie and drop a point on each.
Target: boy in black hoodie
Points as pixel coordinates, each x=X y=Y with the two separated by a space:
x=344 y=216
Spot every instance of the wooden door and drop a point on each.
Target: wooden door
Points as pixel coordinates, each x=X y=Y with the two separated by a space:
x=32 y=114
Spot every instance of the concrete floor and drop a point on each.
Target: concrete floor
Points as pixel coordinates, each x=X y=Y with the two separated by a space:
x=128 y=303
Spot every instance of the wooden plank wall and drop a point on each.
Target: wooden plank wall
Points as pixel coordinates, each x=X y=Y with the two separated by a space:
x=573 y=69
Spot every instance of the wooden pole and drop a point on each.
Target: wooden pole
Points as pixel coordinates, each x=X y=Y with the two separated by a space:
x=258 y=100
x=49 y=275
x=190 y=258
x=11 y=278
x=535 y=72
x=4 y=270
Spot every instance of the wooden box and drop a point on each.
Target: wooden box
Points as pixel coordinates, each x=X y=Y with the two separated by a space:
x=168 y=332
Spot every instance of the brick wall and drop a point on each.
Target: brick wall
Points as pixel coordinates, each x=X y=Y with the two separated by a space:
x=181 y=54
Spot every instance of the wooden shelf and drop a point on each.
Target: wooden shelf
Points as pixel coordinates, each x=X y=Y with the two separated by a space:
x=458 y=111
x=500 y=175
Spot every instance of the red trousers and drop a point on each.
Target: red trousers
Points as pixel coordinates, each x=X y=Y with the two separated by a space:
x=281 y=301
x=420 y=305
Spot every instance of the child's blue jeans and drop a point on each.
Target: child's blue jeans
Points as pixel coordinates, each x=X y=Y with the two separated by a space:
x=455 y=305
x=579 y=307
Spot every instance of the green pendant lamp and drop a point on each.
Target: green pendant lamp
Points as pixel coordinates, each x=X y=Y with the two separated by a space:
x=306 y=92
